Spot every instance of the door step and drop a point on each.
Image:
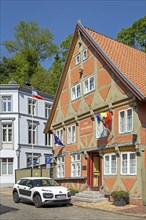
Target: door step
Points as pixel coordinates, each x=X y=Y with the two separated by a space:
x=90 y=196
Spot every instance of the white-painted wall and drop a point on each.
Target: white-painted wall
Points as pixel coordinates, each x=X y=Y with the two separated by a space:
x=20 y=118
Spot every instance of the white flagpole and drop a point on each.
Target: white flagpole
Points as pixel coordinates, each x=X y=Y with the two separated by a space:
x=32 y=134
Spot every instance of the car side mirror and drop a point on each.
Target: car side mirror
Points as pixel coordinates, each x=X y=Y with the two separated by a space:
x=30 y=185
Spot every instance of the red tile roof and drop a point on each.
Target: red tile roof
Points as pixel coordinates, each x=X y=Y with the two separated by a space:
x=130 y=61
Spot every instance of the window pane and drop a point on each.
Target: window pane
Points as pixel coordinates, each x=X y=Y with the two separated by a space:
x=124 y=163
x=122 y=121
x=91 y=83
x=132 y=163
x=113 y=164
x=78 y=172
x=73 y=93
x=10 y=135
x=129 y=119
x=78 y=90
x=106 y=164
x=86 y=86
x=4 y=168
x=10 y=168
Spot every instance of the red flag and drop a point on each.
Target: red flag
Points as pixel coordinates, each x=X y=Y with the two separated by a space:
x=35 y=95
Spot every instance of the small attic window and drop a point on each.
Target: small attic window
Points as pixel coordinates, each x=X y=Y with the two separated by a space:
x=78 y=59
x=85 y=54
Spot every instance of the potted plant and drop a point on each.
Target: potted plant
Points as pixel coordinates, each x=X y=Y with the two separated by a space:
x=73 y=191
x=121 y=198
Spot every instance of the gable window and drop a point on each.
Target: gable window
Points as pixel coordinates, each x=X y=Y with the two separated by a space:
x=85 y=54
x=59 y=134
x=101 y=130
x=76 y=91
x=48 y=108
x=110 y=164
x=6 y=103
x=78 y=59
x=61 y=166
x=6 y=166
x=128 y=163
x=89 y=85
x=31 y=107
x=31 y=133
x=71 y=134
x=75 y=165
x=125 y=120
x=7 y=133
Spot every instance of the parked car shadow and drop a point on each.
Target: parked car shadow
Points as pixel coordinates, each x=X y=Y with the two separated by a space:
x=4 y=209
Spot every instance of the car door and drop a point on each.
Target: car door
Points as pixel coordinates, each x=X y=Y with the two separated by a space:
x=25 y=189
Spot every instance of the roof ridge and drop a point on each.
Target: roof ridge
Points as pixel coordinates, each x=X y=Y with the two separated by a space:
x=115 y=40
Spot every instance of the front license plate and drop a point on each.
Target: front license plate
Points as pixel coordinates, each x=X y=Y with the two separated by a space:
x=60 y=197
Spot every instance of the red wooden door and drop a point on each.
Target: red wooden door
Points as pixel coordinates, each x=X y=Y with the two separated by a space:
x=94 y=171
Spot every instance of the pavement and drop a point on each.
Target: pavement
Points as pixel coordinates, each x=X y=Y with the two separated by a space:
x=134 y=210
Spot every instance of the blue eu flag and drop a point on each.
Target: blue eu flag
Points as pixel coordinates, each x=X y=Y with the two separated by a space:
x=58 y=141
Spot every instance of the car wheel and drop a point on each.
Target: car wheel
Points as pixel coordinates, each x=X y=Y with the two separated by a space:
x=37 y=201
x=16 y=197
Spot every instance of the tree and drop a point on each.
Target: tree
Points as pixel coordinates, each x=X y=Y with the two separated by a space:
x=135 y=35
x=65 y=45
x=33 y=43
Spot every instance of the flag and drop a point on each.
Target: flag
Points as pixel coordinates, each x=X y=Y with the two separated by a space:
x=58 y=141
x=35 y=95
x=104 y=117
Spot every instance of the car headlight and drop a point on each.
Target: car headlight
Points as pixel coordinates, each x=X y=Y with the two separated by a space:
x=48 y=195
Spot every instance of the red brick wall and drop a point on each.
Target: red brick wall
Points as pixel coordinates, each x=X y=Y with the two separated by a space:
x=88 y=66
x=64 y=99
x=103 y=78
x=75 y=76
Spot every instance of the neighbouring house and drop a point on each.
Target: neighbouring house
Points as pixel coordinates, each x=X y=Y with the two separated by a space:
x=99 y=114
x=22 y=122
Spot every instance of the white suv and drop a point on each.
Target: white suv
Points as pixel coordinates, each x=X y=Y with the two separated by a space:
x=41 y=190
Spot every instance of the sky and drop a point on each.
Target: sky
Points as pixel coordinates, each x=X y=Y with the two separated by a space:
x=107 y=17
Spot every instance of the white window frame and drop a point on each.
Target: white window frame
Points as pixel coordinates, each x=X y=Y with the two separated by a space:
x=108 y=165
x=32 y=128
x=71 y=134
x=76 y=165
x=31 y=106
x=75 y=93
x=48 y=108
x=87 y=85
x=127 y=164
x=61 y=166
x=36 y=160
x=101 y=130
x=78 y=58
x=8 y=129
x=124 y=121
x=7 y=103
x=85 y=54
x=7 y=165
x=59 y=134
x=48 y=139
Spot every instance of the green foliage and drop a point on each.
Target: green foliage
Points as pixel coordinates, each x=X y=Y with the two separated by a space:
x=135 y=35
x=120 y=194
x=34 y=42
x=31 y=46
x=65 y=45
x=74 y=190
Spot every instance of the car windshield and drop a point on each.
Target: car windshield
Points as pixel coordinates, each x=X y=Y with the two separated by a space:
x=45 y=182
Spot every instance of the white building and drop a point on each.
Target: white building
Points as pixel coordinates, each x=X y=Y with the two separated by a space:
x=22 y=122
